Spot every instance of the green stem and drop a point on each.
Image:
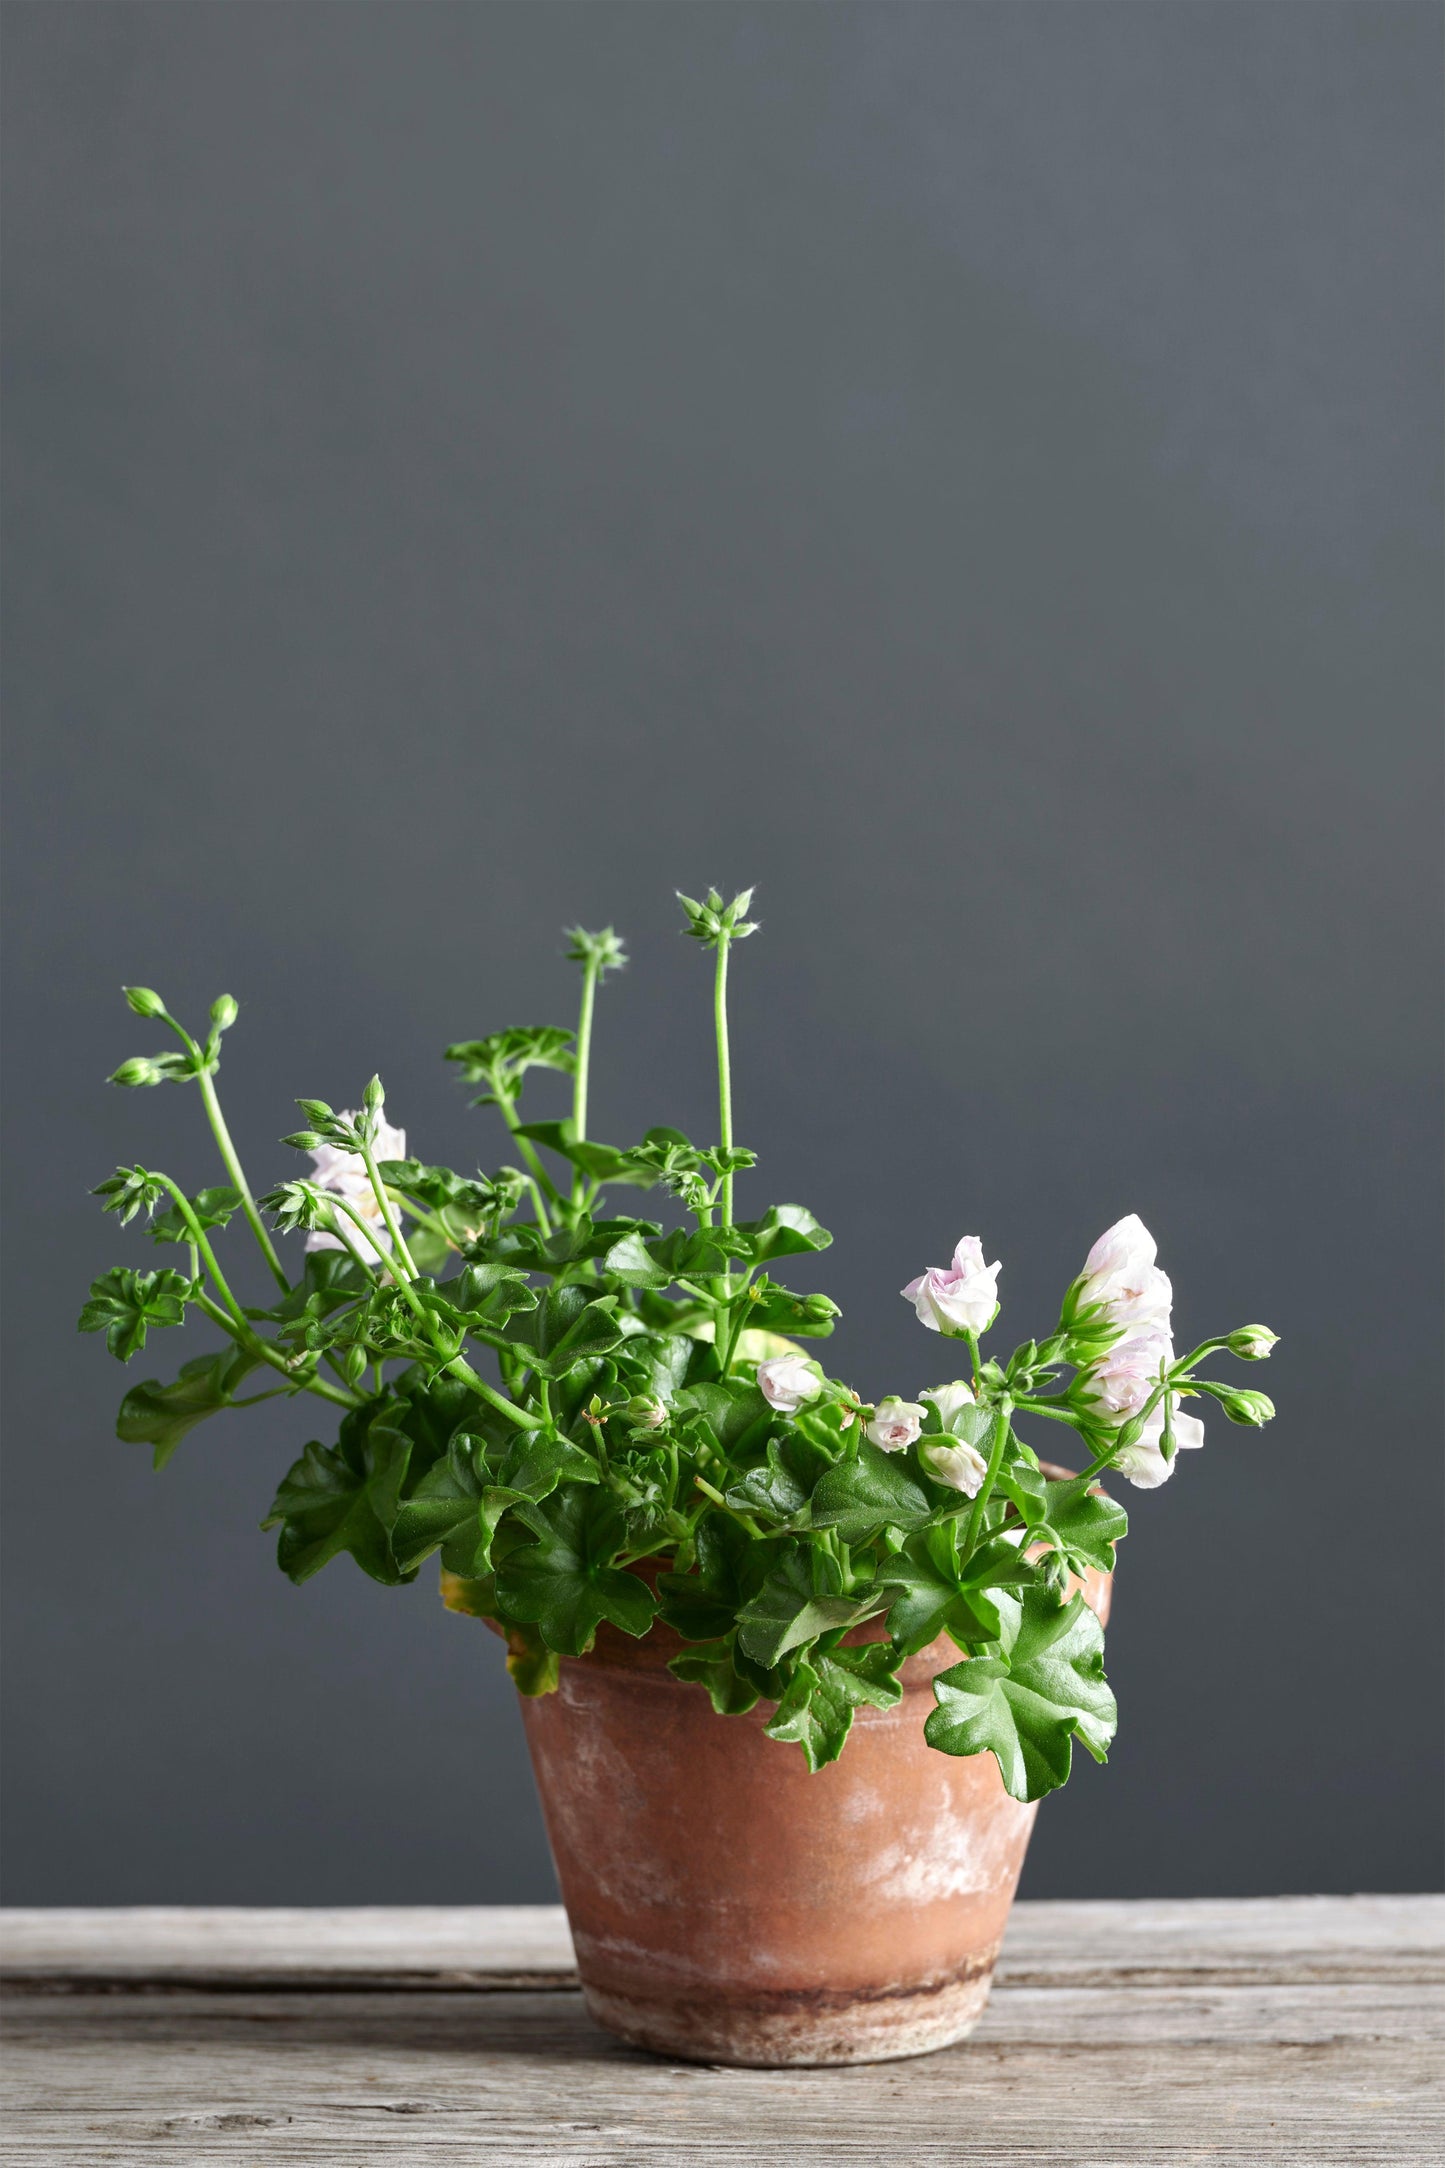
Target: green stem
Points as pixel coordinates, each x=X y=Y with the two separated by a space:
x=745 y=1519
x=207 y=1255
x=584 y=1050
x=255 y=1345
x=462 y=1369
x=995 y=1461
x=432 y=1221
x=234 y=1168
x=393 y=1224
x=738 y=1325
x=525 y=1146
x=724 y=1070
x=543 y=1220
x=1054 y=1415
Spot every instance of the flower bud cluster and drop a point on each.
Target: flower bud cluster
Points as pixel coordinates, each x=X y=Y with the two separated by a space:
x=712 y=920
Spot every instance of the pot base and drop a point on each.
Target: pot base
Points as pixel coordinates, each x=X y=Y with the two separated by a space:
x=779 y=2031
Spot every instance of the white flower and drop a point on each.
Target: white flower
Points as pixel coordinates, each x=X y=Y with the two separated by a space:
x=948 y=1399
x=345 y=1175
x=1121 y=1381
x=963 y=1298
x=895 y=1423
x=949 y=1460
x=786 y=1381
x=1121 y=1278
x=1143 y=1462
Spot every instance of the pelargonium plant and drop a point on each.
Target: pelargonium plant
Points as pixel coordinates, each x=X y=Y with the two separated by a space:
x=601 y=1418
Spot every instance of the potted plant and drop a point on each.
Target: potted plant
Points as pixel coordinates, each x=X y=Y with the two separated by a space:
x=714 y=1566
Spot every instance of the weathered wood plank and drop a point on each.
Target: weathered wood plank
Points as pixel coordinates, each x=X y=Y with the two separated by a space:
x=1258 y=1938
x=1053 y=2076
x=432 y=1945
x=1299 y=2031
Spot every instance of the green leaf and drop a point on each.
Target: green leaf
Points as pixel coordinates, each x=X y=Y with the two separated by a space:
x=1027 y=1705
x=655 y=1363
x=603 y=1162
x=703 y=1606
x=788 y=1612
x=816 y=1712
x=1025 y=1487
x=565 y=1583
x=490 y=1294
x=712 y=1664
x=736 y=1413
x=785 y=1231
x=470 y=1599
x=444 y=1511
x=535 y=1669
x=329 y=1279
x=565 y=1328
x=501 y=1060
x=936 y=1597
x=345 y=1498
x=525 y=1248
x=212 y=1207
x=438 y=1187
x=872 y=1491
x=160 y=1415
x=1086 y=1522
x=779 y=1490
x=125 y=1304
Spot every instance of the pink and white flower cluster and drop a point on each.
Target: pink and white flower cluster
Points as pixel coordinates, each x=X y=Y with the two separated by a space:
x=1122 y=1285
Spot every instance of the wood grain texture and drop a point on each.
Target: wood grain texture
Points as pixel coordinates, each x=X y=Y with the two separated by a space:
x=1305 y=2031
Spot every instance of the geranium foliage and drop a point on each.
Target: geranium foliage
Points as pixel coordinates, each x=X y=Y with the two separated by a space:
x=600 y=1422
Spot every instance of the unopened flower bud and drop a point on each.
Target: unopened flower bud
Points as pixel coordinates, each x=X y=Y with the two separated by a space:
x=950 y=1400
x=646 y=1412
x=1252 y=1343
x=1242 y=1405
x=353 y=1365
x=374 y=1096
x=143 y=1001
x=224 y=1011
x=948 y=1460
x=136 y=1071
x=786 y=1381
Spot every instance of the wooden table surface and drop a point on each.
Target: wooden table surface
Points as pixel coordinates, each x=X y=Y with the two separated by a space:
x=1304 y=2030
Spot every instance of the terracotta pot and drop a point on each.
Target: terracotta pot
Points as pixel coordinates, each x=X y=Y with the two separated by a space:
x=728 y=1906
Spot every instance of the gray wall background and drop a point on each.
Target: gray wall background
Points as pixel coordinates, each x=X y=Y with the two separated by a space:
x=972 y=470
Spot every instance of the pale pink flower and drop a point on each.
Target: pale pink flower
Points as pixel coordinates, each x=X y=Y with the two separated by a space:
x=1118 y=1385
x=1121 y=1278
x=896 y=1423
x=962 y=1298
x=787 y=1381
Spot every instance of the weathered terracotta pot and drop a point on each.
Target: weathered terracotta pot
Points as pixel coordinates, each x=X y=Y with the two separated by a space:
x=728 y=1906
